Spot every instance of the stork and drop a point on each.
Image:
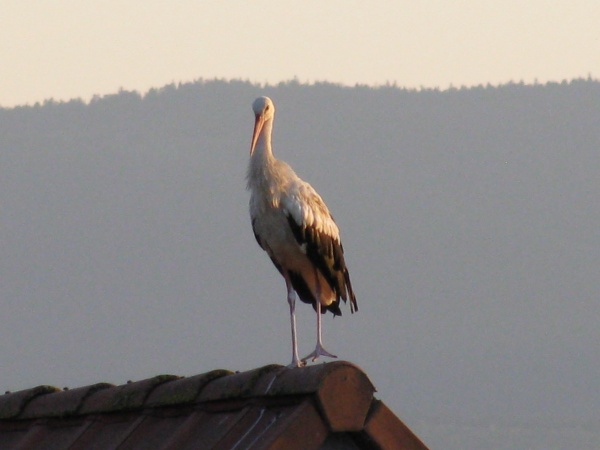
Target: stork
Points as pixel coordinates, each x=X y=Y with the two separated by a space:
x=293 y=225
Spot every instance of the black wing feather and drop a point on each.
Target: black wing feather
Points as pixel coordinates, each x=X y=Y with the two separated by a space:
x=327 y=254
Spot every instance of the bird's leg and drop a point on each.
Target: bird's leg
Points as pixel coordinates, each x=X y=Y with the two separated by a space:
x=319 y=349
x=291 y=298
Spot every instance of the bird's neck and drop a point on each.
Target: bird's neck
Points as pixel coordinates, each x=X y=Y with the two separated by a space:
x=262 y=160
x=263 y=144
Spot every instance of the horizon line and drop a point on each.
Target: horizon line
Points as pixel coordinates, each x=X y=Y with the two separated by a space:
x=296 y=82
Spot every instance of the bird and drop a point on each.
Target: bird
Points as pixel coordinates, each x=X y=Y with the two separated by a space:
x=293 y=225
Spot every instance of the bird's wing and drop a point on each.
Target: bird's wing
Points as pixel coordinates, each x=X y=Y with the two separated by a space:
x=317 y=233
x=256 y=235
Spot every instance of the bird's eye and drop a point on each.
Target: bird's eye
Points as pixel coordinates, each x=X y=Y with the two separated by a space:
x=267 y=108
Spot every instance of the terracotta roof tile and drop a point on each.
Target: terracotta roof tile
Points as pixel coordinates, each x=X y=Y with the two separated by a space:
x=239 y=385
x=60 y=403
x=388 y=432
x=183 y=390
x=11 y=404
x=302 y=429
x=124 y=397
x=273 y=407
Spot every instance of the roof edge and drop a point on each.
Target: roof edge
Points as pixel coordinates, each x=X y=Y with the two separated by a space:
x=335 y=386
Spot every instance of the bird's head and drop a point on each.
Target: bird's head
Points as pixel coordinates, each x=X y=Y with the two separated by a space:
x=264 y=110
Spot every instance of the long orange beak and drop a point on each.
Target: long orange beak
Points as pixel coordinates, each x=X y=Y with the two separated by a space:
x=258 y=124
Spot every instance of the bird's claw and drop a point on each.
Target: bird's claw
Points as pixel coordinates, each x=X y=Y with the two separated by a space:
x=296 y=363
x=319 y=351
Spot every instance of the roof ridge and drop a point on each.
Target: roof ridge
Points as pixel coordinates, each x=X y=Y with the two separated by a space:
x=168 y=390
x=272 y=404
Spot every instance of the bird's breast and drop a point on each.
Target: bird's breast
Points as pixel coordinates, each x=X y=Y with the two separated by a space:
x=272 y=227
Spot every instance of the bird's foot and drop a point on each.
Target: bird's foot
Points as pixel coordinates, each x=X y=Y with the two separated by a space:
x=296 y=363
x=319 y=351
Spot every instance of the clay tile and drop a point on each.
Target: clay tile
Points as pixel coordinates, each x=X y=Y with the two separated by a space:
x=184 y=390
x=124 y=397
x=60 y=403
x=343 y=391
x=240 y=385
x=306 y=380
x=387 y=431
x=11 y=405
x=345 y=394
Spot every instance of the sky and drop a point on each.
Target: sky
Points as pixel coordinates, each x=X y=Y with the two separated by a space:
x=78 y=49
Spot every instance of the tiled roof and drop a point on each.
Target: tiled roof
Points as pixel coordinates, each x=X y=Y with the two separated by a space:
x=322 y=406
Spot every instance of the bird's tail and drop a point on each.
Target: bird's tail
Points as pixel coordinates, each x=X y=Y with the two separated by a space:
x=353 y=304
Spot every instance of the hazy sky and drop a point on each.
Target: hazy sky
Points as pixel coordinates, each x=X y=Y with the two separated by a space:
x=70 y=48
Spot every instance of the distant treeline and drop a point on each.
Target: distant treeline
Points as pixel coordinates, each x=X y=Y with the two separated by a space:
x=202 y=86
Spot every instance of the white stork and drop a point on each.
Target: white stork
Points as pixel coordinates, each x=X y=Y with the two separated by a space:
x=293 y=225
